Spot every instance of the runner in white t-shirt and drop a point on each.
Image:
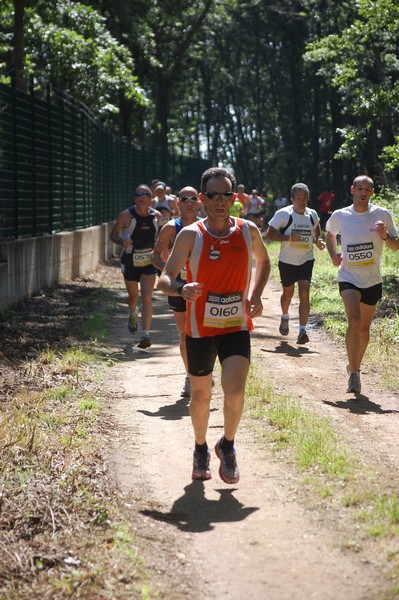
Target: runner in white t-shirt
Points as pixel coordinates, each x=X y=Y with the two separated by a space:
x=364 y=230
x=296 y=227
x=280 y=201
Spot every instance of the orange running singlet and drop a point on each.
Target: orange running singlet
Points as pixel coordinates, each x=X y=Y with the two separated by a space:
x=224 y=266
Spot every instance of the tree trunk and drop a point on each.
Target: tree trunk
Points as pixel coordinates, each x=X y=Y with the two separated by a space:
x=161 y=119
x=18 y=45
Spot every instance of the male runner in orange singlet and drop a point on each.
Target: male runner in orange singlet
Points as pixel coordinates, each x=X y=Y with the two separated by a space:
x=217 y=252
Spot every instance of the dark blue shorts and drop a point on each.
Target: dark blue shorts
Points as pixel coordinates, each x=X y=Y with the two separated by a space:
x=202 y=352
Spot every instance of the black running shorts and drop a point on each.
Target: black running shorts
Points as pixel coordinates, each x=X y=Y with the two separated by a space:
x=131 y=273
x=369 y=295
x=202 y=352
x=290 y=274
x=177 y=303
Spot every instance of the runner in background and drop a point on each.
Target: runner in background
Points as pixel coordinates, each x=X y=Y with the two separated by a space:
x=280 y=201
x=296 y=227
x=164 y=203
x=187 y=203
x=242 y=196
x=365 y=229
x=135 y=229
x=326 y=200
x=256 y=209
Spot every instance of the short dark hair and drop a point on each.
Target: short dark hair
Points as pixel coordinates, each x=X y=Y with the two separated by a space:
x=145 y=186
x=365 y=178
x=217 y=172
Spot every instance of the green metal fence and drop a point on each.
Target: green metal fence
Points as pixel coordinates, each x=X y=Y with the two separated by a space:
x=62 y=170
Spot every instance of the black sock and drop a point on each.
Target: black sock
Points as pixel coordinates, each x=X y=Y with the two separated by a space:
x=201 y=448
x=226 y=445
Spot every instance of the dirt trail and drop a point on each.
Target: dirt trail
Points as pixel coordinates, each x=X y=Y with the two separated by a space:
x=259 y=538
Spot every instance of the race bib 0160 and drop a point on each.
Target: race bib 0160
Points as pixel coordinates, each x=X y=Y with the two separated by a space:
x=223 y=310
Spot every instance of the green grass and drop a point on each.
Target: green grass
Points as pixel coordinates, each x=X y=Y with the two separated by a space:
x=97 y=326
x=60 y=393
x=312 y=440
x=327 y=467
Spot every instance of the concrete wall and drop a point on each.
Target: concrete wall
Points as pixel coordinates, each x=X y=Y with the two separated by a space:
x=30 y=265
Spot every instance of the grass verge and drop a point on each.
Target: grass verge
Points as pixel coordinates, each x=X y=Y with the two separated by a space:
x=325 y=465
x=62 y=533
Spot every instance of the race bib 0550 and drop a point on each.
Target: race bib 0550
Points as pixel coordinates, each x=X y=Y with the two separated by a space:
x=360 y=255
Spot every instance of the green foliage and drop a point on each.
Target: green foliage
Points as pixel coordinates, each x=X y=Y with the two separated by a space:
x=390 y=155
x=281 y=92
x=388 y=197
x=362 y=63
x=6 y=37
x=69 y=46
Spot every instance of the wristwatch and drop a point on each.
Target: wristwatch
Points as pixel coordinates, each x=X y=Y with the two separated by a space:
x=179 y=288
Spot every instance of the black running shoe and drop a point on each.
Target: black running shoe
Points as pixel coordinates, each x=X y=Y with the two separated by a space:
x=354 y=384
x=228 y=469
x=284 y=326
x=145 y=342
x=303 y=337
x=201 y=468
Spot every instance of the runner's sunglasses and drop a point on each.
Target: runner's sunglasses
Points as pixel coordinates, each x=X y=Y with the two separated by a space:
x=224 y=196
x=188 y=198
x=142 y=194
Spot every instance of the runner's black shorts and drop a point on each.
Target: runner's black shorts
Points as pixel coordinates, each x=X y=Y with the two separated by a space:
x=290 y=274
x=369 y=295
x=131 y=273
x=202 y=352
x=177 y=303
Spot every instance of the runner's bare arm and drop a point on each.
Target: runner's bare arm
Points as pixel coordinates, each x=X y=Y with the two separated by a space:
x=181 y=252
x=331 y=241
x=163 y=244
x=316 y=236
x=391 y=241
x=122 y=222
x=262 y=271
x=274 y=235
